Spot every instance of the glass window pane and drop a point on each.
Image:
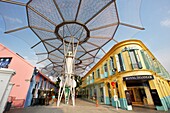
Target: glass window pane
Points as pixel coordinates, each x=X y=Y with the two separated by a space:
x=121 y=62
x=4 y=62
x=98 y=73
x=105 y=68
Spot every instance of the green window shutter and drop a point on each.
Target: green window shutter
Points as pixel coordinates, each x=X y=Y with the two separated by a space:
x=113 y=65
x=151 y=63
x=112 y=68
x=161 y=70
x=122 y=60
x=93 y=75
x=103 y=71
x=140 y=65
x=105 y=67
x=145 y=59
x=130 y=60
x=157 y=67
x=117 y=63
x=97 y=76
x=164 y=72
x=98 y=73
x=138 y=59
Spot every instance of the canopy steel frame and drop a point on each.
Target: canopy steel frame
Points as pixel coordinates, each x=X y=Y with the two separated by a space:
x=71 y=34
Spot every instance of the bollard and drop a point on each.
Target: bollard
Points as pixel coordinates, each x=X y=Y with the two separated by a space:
x=97 y=104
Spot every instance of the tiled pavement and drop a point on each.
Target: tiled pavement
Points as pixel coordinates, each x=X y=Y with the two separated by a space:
x=81 y=107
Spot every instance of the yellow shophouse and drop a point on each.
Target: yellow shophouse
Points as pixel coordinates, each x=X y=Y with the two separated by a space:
x=128 y=75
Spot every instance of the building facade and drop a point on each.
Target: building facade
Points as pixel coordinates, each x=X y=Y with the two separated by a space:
x=25 y=80
x=126 y=76
x=39 y=90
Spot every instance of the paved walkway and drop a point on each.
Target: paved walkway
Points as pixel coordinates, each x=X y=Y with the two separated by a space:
x=81 y=107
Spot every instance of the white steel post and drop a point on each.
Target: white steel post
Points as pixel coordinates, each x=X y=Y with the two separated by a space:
x=69 y=82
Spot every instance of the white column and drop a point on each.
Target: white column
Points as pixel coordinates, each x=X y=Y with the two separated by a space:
x=5 y=77
x=5 y=98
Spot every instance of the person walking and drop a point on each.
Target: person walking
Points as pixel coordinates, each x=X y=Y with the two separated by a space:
x=53 y=98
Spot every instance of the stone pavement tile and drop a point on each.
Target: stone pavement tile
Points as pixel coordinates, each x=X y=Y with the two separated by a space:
x=35 y=109
x=81 y=107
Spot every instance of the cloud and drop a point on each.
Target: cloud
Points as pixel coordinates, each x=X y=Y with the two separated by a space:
x=165 y=22
x=31 y=61
x=13 y=20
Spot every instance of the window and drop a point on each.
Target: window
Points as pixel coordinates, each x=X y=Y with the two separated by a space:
x=105 y=68
x=120 y=58
x=88 y=80
x=93 y=75
x=98 y=73
x=109 y=91
x=112 y=64
x=156 y=64
x=4 y=62
x=45 y=84
x=42 y=83
x=145 y=59
x=149 y=63
x=135 y=61
x=90 y=93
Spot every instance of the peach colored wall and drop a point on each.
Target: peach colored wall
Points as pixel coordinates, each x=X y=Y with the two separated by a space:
x=24 y=72
x=37 y=78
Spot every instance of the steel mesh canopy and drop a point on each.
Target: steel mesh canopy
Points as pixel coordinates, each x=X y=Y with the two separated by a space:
x=92 y=24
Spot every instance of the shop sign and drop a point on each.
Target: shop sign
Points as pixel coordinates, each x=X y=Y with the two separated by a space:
x=139 y=77
x=115 y=98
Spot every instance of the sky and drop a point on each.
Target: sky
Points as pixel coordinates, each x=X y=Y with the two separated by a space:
x=154 y=16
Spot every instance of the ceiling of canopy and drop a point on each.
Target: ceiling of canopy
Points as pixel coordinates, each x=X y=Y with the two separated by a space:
x=92 y=23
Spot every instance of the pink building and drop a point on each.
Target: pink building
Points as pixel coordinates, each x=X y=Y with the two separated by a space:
x=22 y=90
x=24 y=72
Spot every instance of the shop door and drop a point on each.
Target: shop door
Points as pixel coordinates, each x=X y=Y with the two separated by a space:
x=131 y=95
x=101 y=95
x=109 y=92
x=87 y=94
x=142 y=94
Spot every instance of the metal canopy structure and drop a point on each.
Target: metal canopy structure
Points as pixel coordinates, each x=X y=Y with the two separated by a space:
x=91 y=24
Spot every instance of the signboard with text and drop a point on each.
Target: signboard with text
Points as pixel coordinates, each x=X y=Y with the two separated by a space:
x=115 y=98
x=138 y=77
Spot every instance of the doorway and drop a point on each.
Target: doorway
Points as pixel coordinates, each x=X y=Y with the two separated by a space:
x=101 y=95
x=137 y=95
x=109 y=92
